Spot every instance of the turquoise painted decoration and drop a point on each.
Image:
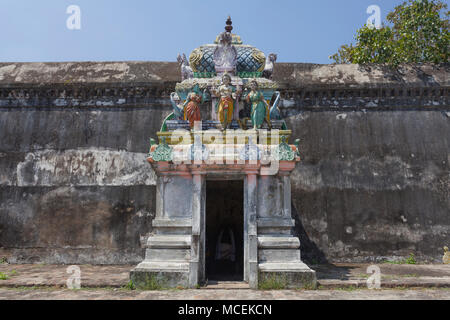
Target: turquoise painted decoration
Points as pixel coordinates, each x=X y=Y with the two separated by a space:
x=284 y=151
x=162 y=153
x=250 y=62
x=164 y=127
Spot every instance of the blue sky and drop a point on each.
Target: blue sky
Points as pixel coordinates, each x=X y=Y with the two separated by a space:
x=116 y=30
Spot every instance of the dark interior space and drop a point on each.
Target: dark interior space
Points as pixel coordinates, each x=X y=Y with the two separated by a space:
x=225 y=230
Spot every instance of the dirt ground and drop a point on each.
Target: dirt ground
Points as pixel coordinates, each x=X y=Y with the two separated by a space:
x=335 y=281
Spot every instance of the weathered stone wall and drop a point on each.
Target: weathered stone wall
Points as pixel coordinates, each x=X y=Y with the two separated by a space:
x=75 y=186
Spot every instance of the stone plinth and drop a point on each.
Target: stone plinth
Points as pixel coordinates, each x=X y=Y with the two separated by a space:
x=175 y=251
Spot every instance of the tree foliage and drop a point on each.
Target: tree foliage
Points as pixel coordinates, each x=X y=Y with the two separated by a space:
x=418 y=31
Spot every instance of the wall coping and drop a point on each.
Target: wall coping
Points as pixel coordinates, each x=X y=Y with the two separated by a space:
x=288 y=75
x=149 y=84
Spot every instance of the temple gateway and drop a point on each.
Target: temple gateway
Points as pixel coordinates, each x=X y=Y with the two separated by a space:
x=223 y=165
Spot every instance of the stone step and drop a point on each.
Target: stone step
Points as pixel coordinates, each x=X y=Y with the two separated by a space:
x=181 y=255
x=278 y=255
x=171 y=223
x=169 y=242
x=163 y=266
x=278 y=242
x=275 y=222
x=226 y=285
x=284 y=267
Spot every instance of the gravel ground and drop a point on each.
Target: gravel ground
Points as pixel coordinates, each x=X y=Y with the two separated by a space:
x=122 y=294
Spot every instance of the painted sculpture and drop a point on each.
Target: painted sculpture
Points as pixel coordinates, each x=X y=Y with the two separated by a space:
x=275 y=113
x=186 y=70
x=222 y=71
x=270 y=62
x=225 y=54
x=189 y=110
x=260 y=111
x=227 y=95
x=191 y=106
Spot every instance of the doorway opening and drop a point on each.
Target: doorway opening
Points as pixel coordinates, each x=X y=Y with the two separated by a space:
x=225 y=230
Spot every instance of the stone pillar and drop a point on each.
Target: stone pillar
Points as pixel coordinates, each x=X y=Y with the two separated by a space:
x=160 y=184
x=197 y=263
x=279 y=259
x=169 y=248
x=251 y=262
x=246 y=269
x=286 y=197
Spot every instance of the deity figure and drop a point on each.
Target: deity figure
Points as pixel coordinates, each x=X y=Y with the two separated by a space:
x=260 y=108
x=191 y=106
x=227 y=97
x=225 y=55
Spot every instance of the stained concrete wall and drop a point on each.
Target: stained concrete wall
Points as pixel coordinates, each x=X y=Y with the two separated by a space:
x=75 y=186
x=373 y=185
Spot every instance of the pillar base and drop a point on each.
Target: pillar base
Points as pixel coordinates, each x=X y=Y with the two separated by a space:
x=279 y=275
x=160 y=275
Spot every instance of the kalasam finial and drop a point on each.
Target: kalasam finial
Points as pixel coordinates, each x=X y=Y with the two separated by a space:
x=229 y=26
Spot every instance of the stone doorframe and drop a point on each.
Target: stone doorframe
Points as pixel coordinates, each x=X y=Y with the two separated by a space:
x=198 y=261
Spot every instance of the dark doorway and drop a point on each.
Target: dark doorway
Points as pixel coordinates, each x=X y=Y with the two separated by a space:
x=225 y=230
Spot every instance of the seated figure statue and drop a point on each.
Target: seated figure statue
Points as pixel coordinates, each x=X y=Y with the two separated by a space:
x=225 y=55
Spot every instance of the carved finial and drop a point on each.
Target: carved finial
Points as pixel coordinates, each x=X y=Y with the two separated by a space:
x=229 y=26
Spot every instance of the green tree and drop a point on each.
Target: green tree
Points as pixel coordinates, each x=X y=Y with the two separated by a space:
x=418 y=31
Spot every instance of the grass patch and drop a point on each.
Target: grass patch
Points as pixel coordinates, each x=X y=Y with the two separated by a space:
x=402 y=288
x=3 y=260
x=130 y=286
x=396 y=276
x=410 y=260
x=348 y=288
x=413 y=275
x=25 y=288
x=3 y=276
x=393 y=262
x=149 y=283
x=273 y=282
x=309 y=286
